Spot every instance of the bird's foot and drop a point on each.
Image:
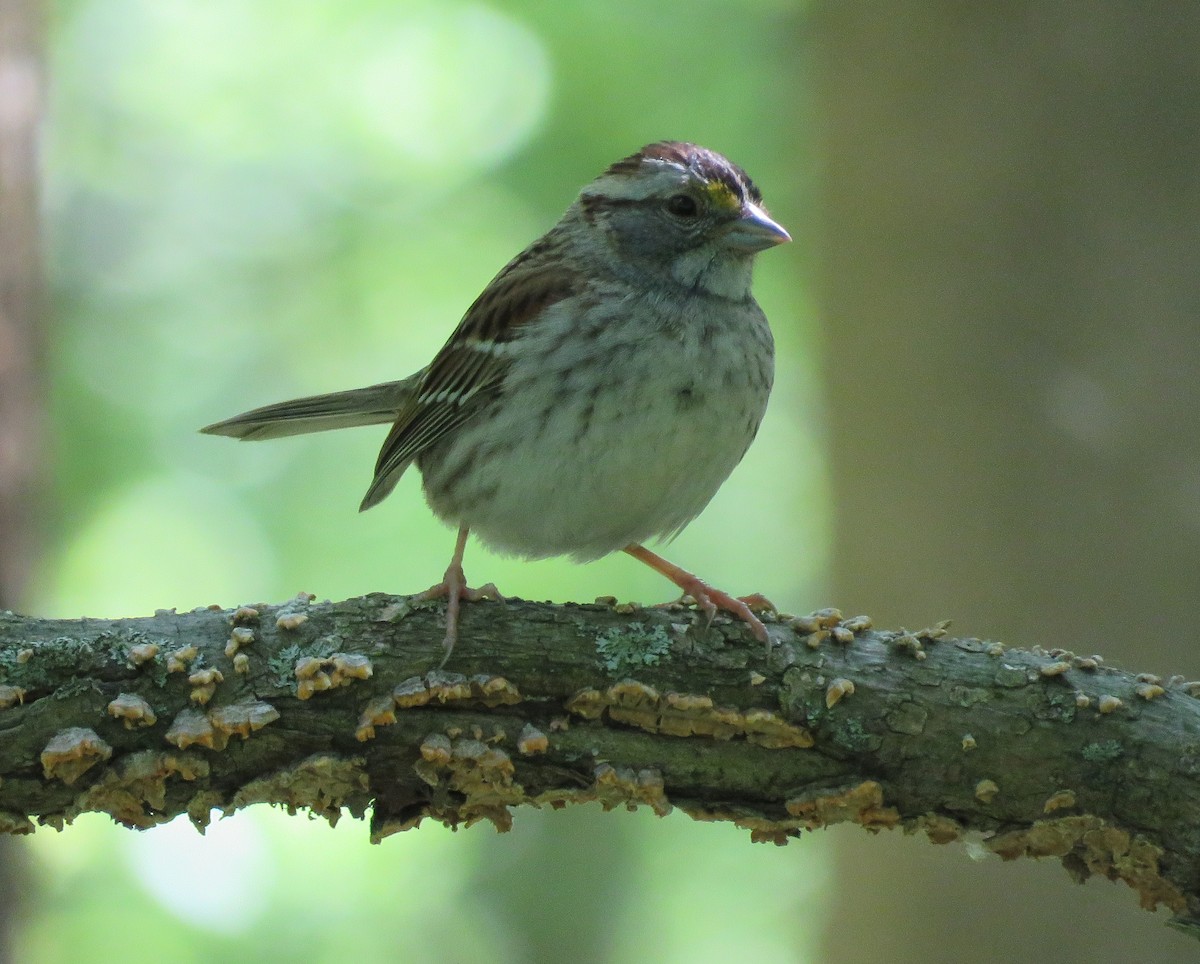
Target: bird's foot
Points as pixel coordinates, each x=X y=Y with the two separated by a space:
x=454 y=589
x=708 y=599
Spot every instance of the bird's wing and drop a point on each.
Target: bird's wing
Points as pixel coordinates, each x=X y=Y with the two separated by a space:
x=470 y=366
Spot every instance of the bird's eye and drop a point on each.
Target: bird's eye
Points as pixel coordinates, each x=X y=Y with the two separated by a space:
x=683 y=206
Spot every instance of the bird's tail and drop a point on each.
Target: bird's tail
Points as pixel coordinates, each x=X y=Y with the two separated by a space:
x=374 y=405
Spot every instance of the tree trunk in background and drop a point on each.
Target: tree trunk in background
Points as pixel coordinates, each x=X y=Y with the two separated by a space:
x=20 y=344
x=1010 y=241
x=21 y=90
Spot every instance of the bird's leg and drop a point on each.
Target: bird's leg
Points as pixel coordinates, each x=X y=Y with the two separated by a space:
x=707 y=598
x=454 y=587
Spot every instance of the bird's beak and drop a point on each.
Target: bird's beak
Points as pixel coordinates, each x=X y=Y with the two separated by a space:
x=754 y=230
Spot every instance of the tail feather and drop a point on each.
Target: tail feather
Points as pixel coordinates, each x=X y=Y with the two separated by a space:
x=374 y=405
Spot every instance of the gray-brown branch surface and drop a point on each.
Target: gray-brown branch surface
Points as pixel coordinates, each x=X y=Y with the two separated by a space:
x=335 y=707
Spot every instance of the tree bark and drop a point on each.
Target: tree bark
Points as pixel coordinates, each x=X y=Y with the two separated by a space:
x=334 y=705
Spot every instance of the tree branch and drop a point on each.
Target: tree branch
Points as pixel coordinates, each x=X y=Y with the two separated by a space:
x=333 y=705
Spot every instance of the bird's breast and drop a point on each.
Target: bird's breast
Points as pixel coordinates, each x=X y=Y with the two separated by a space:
x=609 y=428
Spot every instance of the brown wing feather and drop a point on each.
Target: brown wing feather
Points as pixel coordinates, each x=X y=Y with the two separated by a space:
x=471 y=365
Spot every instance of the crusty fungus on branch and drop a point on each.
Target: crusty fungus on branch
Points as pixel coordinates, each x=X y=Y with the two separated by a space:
x=72 y=752
x=334 y=708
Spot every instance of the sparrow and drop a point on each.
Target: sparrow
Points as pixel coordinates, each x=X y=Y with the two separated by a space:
x=598 y=392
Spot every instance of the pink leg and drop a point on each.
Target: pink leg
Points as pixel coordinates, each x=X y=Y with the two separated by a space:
x=454 y=587
x=707 y=598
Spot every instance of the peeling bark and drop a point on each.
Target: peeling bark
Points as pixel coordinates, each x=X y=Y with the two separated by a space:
x=334 y=707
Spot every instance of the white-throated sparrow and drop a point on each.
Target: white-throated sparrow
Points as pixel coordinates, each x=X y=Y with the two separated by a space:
x=599 y=390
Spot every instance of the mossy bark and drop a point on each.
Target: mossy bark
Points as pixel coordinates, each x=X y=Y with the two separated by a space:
x=336 y=707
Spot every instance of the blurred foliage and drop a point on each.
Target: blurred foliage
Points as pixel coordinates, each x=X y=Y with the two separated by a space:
x=251 y=201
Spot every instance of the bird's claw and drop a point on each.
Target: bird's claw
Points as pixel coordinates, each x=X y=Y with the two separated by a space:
x=454 y=589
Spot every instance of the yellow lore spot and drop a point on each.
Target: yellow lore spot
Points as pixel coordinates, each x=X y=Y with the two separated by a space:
x=721 y=197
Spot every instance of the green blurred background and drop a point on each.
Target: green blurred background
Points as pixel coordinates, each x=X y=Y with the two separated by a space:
x=985 y=409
